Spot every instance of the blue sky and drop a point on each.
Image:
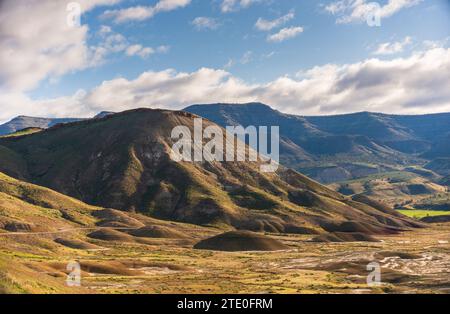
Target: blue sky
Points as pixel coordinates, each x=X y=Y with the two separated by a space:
x=221 y=35
x=323 y=41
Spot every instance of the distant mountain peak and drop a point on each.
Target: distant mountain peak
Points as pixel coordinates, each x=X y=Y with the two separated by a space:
x=25 y=122
x=236 y=105
x=103 y=114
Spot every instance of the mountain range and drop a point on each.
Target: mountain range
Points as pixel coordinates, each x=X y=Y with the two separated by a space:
x=106 y=194
x=25 y=122
x=342 y=147
x=122 y=161
x=328 y=148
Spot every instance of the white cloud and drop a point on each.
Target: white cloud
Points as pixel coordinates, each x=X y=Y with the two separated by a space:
x=113 y=42
x=349 y=11
x=247 y=57
x=430 y=44
x=266 y=25
x=285 y=34
x=163 y=49
x=229 y=64
x=268 y=55
x=392 y=48
x=412 y=85
x=37 y=42
x=234 y=5
x=138 y=50
x=14 y=104
x=140 y=13
x=104 y=29
x=202 y=23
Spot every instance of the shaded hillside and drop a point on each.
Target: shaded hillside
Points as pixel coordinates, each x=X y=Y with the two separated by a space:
x=440 y=166
x=328 y=148
x=122 y=161
x=384 y=129
x=398 y=189
x=411 y=134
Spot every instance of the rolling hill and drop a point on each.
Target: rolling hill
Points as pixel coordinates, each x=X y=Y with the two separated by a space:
x=40 y=229
x=399 y=189
x=122 y=161
x=44 y=232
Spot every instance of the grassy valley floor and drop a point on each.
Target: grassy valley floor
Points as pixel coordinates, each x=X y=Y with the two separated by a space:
x=421 y=213
x=412 y=262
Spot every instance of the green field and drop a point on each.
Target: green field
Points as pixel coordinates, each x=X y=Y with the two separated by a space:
x=418 y=214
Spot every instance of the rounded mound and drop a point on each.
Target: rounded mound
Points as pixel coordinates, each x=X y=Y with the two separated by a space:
x=77 y=244
x=358 y=227
x=344 y=237
x=108 y=234
x=114 y=224
x=157 y=232
x=116 y=218
x=234 y=241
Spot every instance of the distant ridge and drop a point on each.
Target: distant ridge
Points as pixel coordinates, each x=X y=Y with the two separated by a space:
x=329 y=148
x=24 y=122
x=346 y=146
x=103 y=114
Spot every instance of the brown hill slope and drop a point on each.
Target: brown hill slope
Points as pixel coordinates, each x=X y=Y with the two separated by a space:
x=122 y=161
x=40 y=228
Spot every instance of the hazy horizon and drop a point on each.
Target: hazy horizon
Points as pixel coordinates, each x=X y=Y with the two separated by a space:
x=227 y=104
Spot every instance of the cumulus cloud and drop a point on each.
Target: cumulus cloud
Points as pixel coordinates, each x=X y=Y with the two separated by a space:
x=105 y=29
x=111 y=42
x=429 y=44
x=393 y=48
x=14 y=104
x=348 y=11
x=38 y=42
x=285 y=34
x=144 y=52
x=268 y=25
x=202 y=23
x=415 y=84
x=140 y=13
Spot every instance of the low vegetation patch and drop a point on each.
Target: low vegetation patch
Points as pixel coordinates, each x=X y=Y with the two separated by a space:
x=419 y=214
